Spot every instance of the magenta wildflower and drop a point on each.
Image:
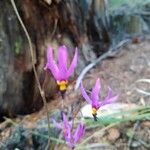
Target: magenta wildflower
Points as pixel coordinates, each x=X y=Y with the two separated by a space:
x=66 y=126
x=94 y=99
x=60 y=71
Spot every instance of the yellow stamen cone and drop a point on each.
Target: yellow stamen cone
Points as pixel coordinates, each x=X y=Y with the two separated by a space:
x=62 y=85
x=94 y=111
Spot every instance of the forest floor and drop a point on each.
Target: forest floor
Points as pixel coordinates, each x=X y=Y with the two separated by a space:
x=120 y=72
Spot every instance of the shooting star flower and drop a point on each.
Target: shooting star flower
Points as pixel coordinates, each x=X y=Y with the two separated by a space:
x=66 y=126
x=94 y=99
x=60 y=71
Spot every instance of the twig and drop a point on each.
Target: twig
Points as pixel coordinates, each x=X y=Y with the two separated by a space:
x=46 y=137
x=93 y=145
x=111 y=52
x=144 y=143
x=140 y=90
x=33 y=65
x=55 y=26
x=8 y=122
x=134 y=129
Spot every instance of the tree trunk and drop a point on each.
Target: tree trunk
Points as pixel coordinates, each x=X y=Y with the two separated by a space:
x=81 y=23
x=15 y=67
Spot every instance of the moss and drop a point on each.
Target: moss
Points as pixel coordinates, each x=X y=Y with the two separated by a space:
x=17 y=46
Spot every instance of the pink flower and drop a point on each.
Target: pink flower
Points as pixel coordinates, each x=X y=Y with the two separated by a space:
x=66 y=126
x=60 y=71
x=94 y=99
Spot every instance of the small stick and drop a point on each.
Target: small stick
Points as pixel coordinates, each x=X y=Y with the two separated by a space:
x=34 y=68
x=134 y=129
x=111 y=52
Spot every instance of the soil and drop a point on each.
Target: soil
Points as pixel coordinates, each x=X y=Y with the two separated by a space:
x=119 y=72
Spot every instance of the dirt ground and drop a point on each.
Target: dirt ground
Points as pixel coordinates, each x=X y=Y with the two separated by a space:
x=120 y=73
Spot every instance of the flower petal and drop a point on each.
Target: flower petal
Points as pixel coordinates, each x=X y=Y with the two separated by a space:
x=66 y=122
x=51 y=63
x=73 y=64
x=67 y=128
x=109 y=94
x=62 y=61
x=79 y=132
x=57 y=125
x=95 y=93
x=84 y=94
x=67 y=135
x=111 y=100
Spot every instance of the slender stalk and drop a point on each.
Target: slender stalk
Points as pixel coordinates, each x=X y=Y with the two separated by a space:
x=132 y=136
x=33 y=66
x=62 y=104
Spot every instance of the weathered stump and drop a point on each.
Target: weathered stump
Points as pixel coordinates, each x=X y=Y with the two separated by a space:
x=59 y=22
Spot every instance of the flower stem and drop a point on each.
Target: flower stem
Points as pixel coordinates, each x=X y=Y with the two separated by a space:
x=62 y=104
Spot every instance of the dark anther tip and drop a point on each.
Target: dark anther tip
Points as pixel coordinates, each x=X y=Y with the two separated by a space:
x=95 y=117
x=63 y=94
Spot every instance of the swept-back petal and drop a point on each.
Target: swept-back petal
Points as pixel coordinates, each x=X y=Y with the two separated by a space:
x=73 y=63
x=65 y=120
x=109 y=101
x=51 y=63
x=84 y=94
x=67 y=135
x=67 y=128
x=109 y=93
x=67 y=124
x=79 y=132
x=62 y=61
x=95 y=91
x=56 y=124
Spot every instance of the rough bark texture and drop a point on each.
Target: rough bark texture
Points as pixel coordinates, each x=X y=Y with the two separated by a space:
x=68 y=22
x=14 y=63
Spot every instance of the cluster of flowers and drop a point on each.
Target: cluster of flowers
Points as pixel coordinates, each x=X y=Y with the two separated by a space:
x=61 y=73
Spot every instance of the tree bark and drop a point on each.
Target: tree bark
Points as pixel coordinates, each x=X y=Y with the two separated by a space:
x=15 y=67
x=81 y=23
